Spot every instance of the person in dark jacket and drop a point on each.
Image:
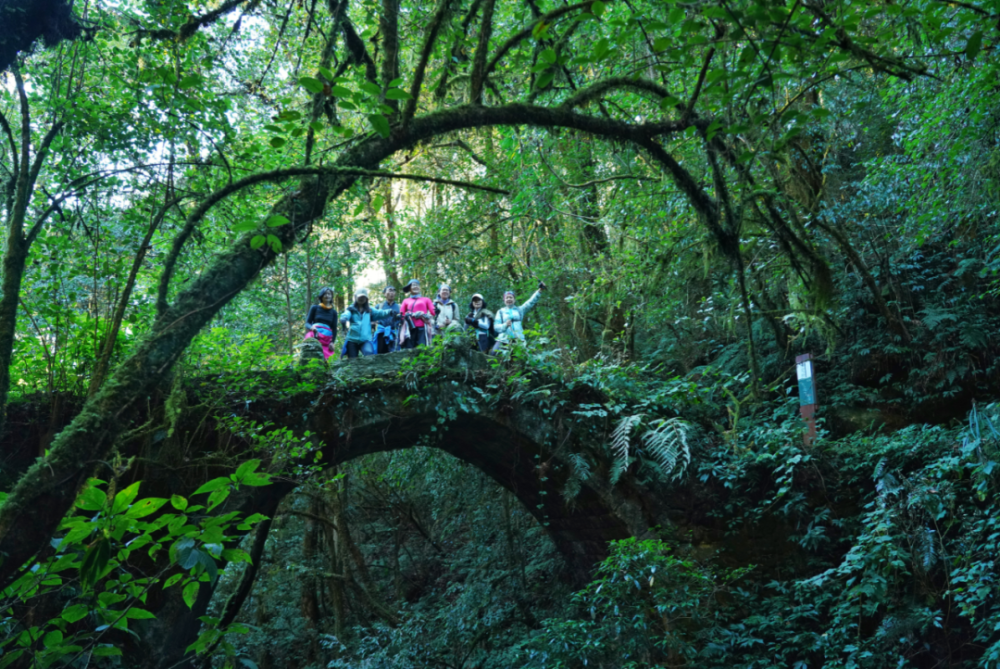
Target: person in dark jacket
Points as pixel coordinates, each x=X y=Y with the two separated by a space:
x=321 y=322
x=386 y=328
x=481 y=319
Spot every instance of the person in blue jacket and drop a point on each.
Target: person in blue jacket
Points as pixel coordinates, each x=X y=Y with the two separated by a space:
x=357 y=320
x=386 y=329
x=509 y=319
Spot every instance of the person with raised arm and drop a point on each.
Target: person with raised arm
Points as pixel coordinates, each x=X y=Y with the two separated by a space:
x=417 y=313
x=510 y=318
x=357 y=320
x=321 y=322
x=386 y=328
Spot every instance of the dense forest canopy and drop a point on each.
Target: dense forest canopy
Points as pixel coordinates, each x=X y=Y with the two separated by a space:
x=708 y=189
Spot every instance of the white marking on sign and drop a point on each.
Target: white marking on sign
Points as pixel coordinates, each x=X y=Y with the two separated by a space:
x=804 y=370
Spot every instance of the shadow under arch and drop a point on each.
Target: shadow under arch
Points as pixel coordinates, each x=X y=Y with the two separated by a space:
x=512 y=445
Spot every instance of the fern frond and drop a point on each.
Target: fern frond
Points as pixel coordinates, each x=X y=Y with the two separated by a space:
x=579 y=471
x=621 y=441
x=667 y=444
x=581 y=467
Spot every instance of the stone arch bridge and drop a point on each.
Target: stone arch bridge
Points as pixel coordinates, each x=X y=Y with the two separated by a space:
x=518 y=426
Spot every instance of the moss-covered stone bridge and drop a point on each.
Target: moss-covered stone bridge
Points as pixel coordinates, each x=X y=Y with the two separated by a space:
x=516 y=426
x=519 y=426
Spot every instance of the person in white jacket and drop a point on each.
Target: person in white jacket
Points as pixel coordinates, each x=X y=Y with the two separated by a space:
x=446 y=313
x=509 y=319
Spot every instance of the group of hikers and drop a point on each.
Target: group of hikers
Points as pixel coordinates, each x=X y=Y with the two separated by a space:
x=393 y=326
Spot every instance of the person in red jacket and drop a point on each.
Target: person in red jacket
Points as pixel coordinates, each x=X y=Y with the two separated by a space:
x=417 y=313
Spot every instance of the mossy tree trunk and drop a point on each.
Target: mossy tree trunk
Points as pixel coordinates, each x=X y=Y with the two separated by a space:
x=19 y=235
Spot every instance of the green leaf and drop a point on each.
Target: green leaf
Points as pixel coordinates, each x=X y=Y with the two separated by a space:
x=347 y=104
x=145 y=507
x=713 y=130
x=222 y=481
x=326 y=73
x=662 y=44
x=208 y=563
x=244 y=226
x=190 y=81
x=341 y=92
x=310 y=84
x=395 y=82
x=601 y=48
x=275 y=246
x=377 y=203
x=278 y=142
x=11 y=656
x=106 y=651
x=53 y=639
x=92 y=499
x=188 y=557
x=94 y=562
x=669 y=102
x=370 y=88
x=218 y=497
x=178 y=502
x=597 y=8
x=251 y=521
x=380 y=123
x=173 y=579
x=257 y=480
x=246 y=468
x=235 y=555
x=75 y=613
x=124 y=498
x=140 y=614
x=317 y=126
x=544 y=79
x=190 y=593
x=397 y=94
x=276 y=221
x=974 y=44
x=548 y=56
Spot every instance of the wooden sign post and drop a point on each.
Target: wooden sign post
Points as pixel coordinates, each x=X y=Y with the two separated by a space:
x=807 y=395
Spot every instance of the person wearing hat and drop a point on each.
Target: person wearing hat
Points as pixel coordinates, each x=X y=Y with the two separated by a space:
x=510 y=318
x=357 y=320
x=446 y=312
x=416 y=312
x=321 y=321
x=385 y=328
x=481 y=319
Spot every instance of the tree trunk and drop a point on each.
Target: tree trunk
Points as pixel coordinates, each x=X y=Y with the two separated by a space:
x=101 y=367
x=310 y=584
x=869 y=280
x=13 y=274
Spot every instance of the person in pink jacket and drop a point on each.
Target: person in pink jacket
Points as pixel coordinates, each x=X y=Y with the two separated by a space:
x=417 y=313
